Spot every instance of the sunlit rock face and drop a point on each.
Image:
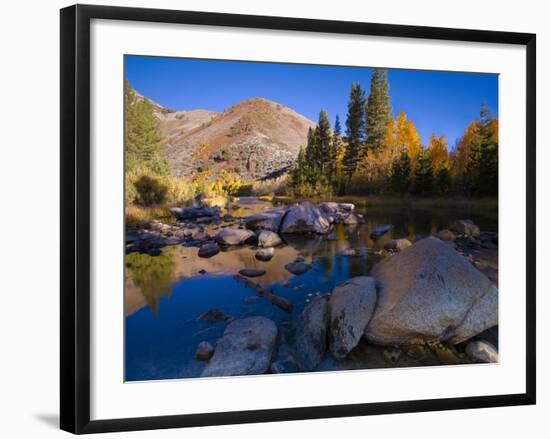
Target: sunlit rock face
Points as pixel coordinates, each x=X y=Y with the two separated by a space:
x=430 y=292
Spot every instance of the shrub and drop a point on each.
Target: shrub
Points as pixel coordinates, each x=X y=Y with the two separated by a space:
x=150 y=190
x=180 y=190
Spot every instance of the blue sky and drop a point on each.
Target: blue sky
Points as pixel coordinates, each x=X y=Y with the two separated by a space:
x=443 y=103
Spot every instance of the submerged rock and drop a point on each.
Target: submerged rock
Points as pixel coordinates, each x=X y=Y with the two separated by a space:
x=297 y=267
x=429 y=292
x=246 y=348
x=380 y=231
x=235 y=236
x=311 y=333
x=252 y=272
x=482 y=352
x=213 y=315
x=352 y=252
x=267 y=238
x=351 y=307
x=465 y=227
x=279 y=301
x=396 y=245
x=269 y=220
x=204 y=351
x=265 y=254
x=305 y=218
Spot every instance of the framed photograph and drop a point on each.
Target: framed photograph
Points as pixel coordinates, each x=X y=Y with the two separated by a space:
x=268 y=219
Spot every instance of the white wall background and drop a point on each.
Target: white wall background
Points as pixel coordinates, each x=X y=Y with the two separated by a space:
x=29 y=250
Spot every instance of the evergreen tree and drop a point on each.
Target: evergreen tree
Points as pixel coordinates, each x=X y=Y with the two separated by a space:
x=482 y=161
x=443 y=180
x=355 y=128
x=423 y=174
x=378 y=110
x=337 y=127
x=311 y=151
x=142 y=139
x=324 y=145
x=399 y=173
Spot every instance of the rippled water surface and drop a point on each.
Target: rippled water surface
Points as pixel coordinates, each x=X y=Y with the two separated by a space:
x=165 y=294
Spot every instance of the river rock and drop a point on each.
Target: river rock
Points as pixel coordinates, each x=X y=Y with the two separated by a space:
x=352 y=219
x=235 y=236
x=267 y=238
x=336 y=212
x=465 y=227
x=482 y=352
x=265 y=254
x=204 y=351
x=396 y=245
x=252 y=272
x=351 y=307
x=305 y=218
x=311 y=333
x=297 y=267
x=268 y=220
x=208 y=249
x=446 y=235
x=246 y=348
x=201 y=235
x=380 y=231
x=194 y=212
x=429 y=292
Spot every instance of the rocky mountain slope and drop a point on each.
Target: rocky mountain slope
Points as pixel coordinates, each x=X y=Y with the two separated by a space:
x=255 y=138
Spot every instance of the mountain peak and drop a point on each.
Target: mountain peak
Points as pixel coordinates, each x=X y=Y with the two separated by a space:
x=255 y=138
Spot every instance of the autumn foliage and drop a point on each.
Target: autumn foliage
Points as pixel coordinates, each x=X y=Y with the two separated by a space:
x=381 y=154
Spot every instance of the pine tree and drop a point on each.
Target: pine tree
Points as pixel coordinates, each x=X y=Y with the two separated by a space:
x=324 y=145
x=311 y=152
x=378 y=110
x=399 y=173
x=142 y=139
x=482 y=161
x=355 y=128
x=423 y=174
x=337 y=127
x=443 y=180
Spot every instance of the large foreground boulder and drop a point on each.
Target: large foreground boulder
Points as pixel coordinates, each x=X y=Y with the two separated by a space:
x=429 y=292
x=311 y=333
x=269 y=220
x=351 y=307
x=235 y=236
x=246 y=348
x=305 y=218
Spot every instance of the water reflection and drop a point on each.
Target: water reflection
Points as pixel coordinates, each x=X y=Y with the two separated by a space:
x=165 y=294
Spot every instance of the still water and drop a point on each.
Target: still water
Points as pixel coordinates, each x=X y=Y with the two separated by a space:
x=165 y=295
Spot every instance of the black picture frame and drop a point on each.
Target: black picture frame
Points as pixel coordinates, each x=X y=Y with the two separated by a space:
x=75 y=217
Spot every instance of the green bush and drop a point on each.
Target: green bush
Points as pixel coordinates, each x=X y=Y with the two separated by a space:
x=150 y=190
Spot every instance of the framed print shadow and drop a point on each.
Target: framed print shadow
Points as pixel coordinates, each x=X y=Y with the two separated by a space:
x=268 y=219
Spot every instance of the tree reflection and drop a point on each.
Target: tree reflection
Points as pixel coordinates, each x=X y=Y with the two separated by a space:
x=153 y=275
